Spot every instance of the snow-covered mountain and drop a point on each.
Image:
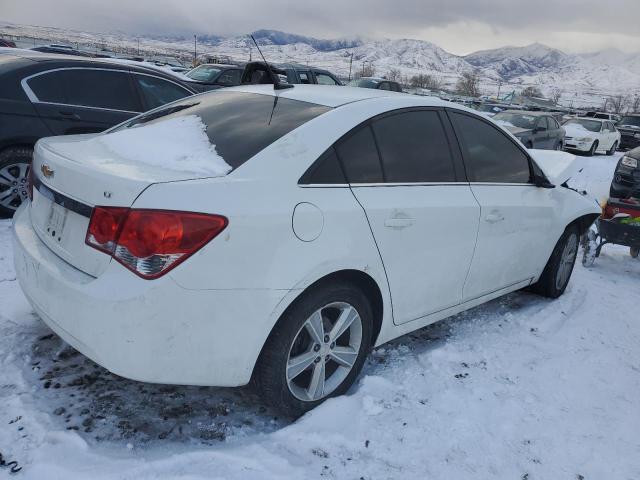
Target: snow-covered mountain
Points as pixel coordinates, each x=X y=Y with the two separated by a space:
x=583 y=78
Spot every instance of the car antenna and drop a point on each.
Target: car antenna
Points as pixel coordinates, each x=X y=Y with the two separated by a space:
x=276 y=81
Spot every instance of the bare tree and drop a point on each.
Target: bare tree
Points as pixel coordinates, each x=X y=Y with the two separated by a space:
x=531 y=91
x=394 y=75
x=635 y=106
x=555 y=95
x=367 y=70
x=616 y=103
x=469 y=84
x=423 y=80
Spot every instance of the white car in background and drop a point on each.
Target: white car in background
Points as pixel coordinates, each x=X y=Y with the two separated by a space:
x=278 y=235
x=591 y=135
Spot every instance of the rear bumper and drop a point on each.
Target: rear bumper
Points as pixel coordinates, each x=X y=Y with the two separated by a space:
x=152 y=331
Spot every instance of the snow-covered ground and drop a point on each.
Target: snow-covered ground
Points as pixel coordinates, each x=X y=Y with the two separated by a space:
x=520 y=388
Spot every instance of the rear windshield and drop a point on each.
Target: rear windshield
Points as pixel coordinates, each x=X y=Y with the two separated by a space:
x=238 y=124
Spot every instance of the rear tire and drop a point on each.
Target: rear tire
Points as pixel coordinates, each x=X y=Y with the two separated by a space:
x=634 y=252
x=613 y=149
x=15 y=163
x=556 y=274
x=593 y=149
x=303 y=349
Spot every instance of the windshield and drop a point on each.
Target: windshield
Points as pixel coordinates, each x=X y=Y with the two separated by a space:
x=203 y=73
x=238 y=124
x=630 y=121
x=515 y=120
x=363 y=83
x=590 y=125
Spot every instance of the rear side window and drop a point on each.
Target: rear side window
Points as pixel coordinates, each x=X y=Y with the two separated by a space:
x=359 y=156
x=110 y=89
x=239 y=124
x=414 y=148
x=156 y=91
x=325 y=170
x=489 y=154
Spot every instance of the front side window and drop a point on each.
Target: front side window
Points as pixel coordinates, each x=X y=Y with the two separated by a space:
x=324 y=79
x=157 y=92
x=239 y=124
x=489 y=154
x=229 y=77
x=414 y=148
x=359 y=156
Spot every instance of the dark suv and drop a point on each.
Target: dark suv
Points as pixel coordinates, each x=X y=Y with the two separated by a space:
x=256 y=73
x=47 y=94
x=626 y=179
x=629 y=128
x=211 y=76
x=375 y=83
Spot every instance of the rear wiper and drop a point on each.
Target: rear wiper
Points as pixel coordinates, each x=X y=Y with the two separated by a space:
x=161 y=113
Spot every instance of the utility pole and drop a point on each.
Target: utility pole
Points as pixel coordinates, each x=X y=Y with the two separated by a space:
x=195 y=49
x=499 y=85
x=138 y=46
x=350 y=65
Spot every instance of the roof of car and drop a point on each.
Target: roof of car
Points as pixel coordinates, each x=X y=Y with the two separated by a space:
x=335 y=96
x=592 y=118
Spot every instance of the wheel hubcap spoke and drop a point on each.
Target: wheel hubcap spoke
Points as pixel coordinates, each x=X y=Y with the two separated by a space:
x=344 y=321
x=316 y=386
x=315 y=327
x=344 y=356
x=299 y=364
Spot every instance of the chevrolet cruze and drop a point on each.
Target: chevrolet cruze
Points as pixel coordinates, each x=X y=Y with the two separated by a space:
x=276 y=236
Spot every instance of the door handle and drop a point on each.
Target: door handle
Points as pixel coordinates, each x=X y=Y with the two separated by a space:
x=398 y=222
x=494 y=217
x=67 y=113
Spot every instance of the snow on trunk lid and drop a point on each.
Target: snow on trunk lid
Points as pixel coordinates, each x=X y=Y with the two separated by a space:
x=72 y=174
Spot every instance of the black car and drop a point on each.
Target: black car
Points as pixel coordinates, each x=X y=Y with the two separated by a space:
x=48 y=94
x=7 y=43
x=375 y=83
x=211 y=76
x=629 y=128
x=256 y=73
x=626 y=179
x=63 y=49
x=534 y=129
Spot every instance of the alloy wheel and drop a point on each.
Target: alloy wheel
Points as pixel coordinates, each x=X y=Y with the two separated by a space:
x=13 y=185
x=567 y=260
x=324 y=351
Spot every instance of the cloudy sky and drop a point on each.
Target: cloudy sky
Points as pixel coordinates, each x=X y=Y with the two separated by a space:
x=459 y=26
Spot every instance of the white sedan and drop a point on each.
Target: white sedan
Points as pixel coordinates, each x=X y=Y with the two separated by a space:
x=591 y=135
x=278 y=235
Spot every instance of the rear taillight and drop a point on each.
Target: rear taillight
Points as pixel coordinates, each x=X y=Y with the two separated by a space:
x=151 y=242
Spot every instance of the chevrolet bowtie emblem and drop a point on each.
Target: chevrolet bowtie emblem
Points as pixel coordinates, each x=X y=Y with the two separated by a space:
x=46 y=170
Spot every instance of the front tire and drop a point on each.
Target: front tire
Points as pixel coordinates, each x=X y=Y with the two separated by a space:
x=556 y=274
x=15 y=163
x=593 y=149
x=316 y=350
x=613 y=149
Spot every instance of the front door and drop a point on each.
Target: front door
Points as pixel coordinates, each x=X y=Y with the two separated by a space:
x=512 y=239
x=422 y=213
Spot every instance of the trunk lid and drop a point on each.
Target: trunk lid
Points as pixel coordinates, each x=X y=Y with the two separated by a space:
x=71 y=175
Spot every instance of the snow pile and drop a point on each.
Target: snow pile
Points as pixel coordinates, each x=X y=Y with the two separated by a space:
x=180 y=144
x=575 y=130
x=520 y=388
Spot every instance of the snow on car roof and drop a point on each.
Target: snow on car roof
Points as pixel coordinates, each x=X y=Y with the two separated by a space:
x=335 y=96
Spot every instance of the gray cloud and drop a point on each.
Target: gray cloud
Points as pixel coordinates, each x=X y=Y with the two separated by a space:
x=460 y=26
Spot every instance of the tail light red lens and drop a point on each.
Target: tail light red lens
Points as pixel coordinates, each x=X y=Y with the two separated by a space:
x=151 y=242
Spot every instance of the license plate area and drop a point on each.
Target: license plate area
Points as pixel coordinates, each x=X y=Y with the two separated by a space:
x=56 y=221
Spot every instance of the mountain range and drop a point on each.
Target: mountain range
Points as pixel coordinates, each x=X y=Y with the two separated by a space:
x=582 y=78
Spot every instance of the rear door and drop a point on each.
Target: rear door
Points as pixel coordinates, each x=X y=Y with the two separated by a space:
x=82 y=100
x=422 y=213
x=541 y=134
x=514 y=236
